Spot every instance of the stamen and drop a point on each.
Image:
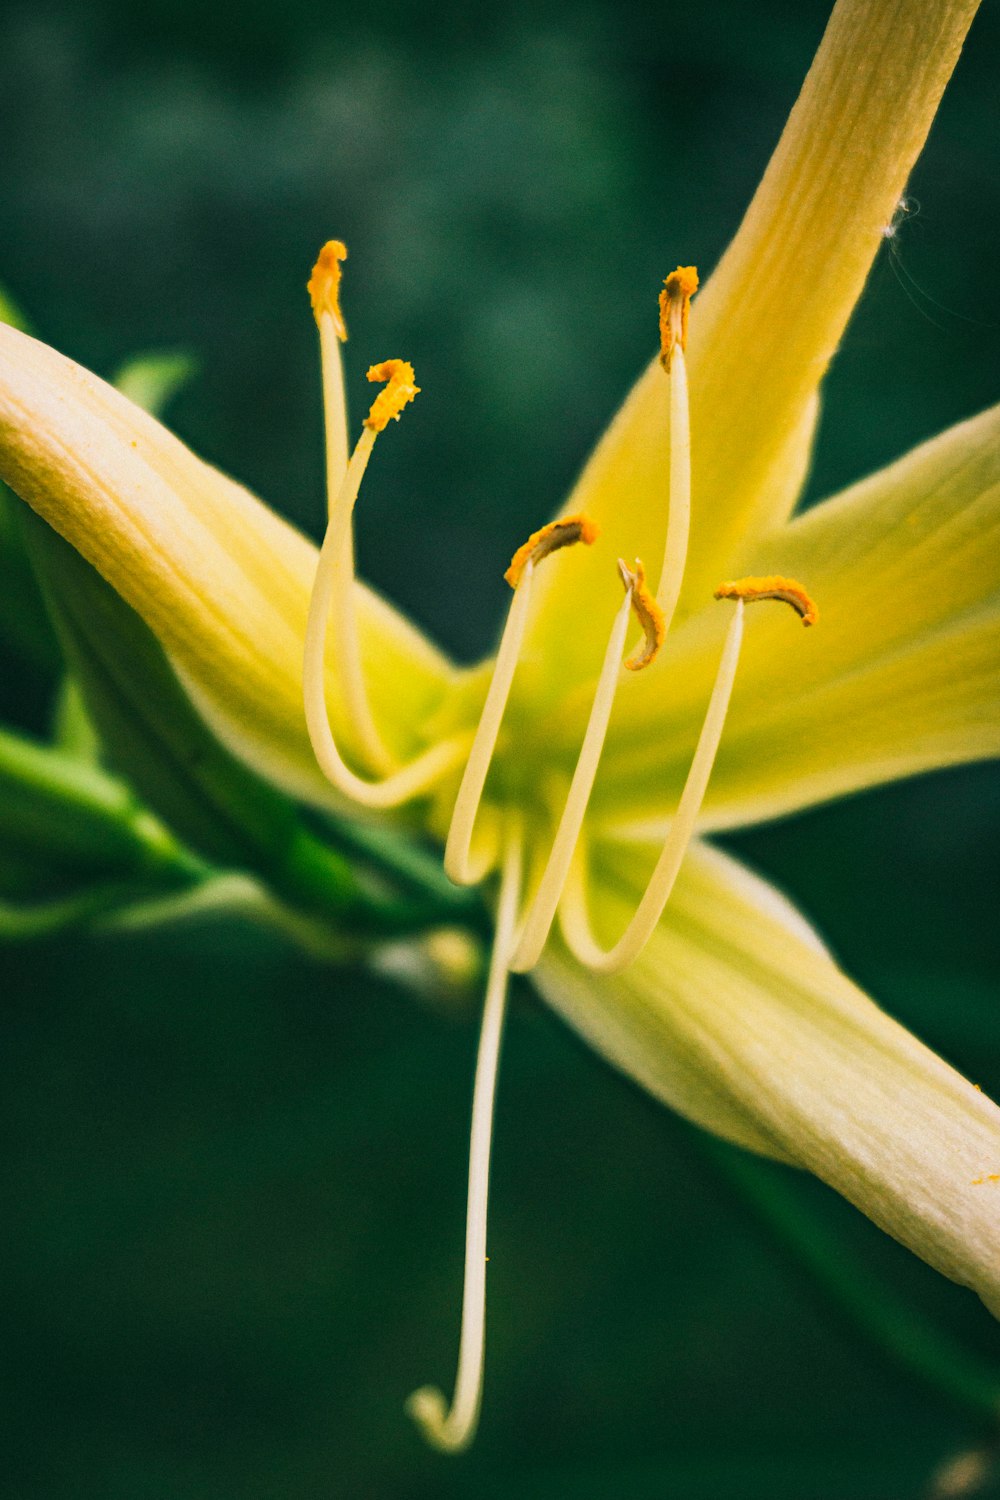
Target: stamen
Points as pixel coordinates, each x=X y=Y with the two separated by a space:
x=538 y=919
x=647 y=612
x=453 y=1430
x=772 y=587
x=675 y=305
x=470 y=793
x=324 y=294
x=675 y=302
x=574 y=918
x=324 y=290
x=333 y=591
x=399 y=391
x=561 y=533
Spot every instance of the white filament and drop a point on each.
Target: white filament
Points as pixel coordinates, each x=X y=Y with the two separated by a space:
x=463 y=819
x=675 y=546
x=331 y=587
x=542 y=910
x=344 y=595
x=453 y=1429
x=573 y=915
x=538 y=921
x=334 y=408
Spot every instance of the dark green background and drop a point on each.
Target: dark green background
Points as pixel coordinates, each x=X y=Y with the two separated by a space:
x=234 y=1181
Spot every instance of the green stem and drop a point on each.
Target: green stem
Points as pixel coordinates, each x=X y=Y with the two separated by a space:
x=313 y=873
x=434 y=900
x=25 y=921
x=56 y=802
x=891 y=1324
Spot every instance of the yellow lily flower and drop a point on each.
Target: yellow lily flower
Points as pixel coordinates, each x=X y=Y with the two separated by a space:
x=590 y=788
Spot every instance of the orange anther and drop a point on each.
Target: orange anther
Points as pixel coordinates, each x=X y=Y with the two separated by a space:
x=561 y=533
x=323 y=285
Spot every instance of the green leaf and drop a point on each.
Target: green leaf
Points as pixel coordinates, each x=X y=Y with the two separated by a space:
x=151 y=732
x=11 y=313
x=154 y=737
x=153 y=380
x=57 y=810
x=72 y=725
x=25 y=628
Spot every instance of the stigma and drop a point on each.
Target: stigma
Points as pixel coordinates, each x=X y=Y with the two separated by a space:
x=647 y=612
x=675 y=306
x=774 y=586
x=399 y=392
x=323 y=286
x=562 y=533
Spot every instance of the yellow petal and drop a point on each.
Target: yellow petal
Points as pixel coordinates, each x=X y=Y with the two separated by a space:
x=222 y=581
x=770 y=318
x=902 y=673
x=737 y=1016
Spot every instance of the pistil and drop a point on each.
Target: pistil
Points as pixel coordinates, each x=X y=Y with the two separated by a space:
x=453 y=1429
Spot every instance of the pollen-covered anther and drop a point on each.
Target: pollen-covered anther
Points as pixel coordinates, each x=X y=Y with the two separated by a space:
x=675 y=307
x=323 y=285
x=647 y=612
x=399 y=391
x=562 y=533
x=788 y=590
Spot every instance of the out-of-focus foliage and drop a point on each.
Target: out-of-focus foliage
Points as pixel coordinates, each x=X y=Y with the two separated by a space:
x=234 y=1176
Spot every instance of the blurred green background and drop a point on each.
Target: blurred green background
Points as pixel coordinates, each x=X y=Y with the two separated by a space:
x=233 y=1181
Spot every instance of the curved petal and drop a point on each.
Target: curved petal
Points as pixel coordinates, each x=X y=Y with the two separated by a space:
x=742 y=1021
x=767 y=324
x=222 y=580
x=902 y=673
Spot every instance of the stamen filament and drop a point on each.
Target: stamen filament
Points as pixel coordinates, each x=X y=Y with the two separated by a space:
x=538 y=920
x=343 y=596
x=332 y=592
x=565 y=532
x=456 y=855
x=675 y=306
x=675 y=546
x=573 y=915
x=334 y=406
x=453 y=1429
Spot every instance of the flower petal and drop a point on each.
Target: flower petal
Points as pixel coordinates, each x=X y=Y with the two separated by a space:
x=222 y=581
x=902 y=673
x=741 y=1020
x=767 y=324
